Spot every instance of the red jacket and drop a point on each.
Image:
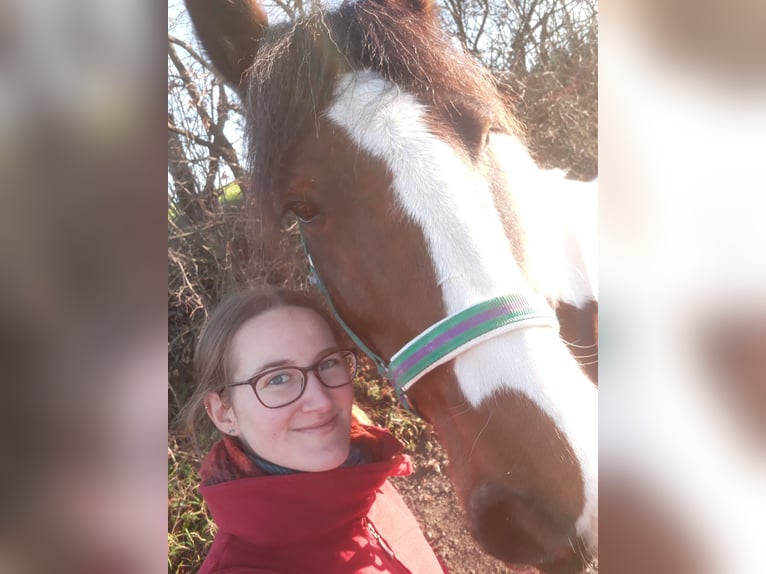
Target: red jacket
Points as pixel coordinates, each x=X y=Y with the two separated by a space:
x=342 y=521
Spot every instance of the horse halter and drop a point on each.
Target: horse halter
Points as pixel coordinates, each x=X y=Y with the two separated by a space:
x=449 y=337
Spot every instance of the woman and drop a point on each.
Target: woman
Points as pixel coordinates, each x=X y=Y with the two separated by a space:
x=295 y=485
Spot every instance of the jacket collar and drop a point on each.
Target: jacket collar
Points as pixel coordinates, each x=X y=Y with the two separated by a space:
x=289 y=508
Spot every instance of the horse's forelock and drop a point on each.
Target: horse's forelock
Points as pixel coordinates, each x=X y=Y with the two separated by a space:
x=290 y=82
x=297 y=67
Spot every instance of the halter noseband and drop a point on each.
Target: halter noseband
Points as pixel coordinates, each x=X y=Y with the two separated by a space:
x=446 y=339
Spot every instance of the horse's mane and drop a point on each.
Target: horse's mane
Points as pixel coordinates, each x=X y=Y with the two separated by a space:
x=298 y=65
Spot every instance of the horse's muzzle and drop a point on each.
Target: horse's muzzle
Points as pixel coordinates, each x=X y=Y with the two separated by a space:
x=522 y=529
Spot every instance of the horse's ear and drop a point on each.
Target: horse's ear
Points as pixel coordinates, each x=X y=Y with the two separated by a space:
x=229 y=31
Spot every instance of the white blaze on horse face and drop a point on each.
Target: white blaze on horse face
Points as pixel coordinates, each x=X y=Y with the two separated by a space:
x=450 y=202
x=439 y=191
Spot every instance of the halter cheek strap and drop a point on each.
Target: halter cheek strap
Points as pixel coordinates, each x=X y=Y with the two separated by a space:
x=465 y=329
x=451 y=336
x=314 y=278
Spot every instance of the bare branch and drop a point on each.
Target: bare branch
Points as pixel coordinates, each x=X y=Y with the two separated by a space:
x=192 y=52
x=223 y=151
x=220 y=143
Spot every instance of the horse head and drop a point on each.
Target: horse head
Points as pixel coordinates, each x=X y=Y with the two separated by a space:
x=418 y=200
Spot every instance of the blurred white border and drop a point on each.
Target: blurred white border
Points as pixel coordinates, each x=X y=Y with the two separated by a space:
x=683 y=239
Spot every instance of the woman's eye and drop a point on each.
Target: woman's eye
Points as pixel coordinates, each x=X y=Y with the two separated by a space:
x=278 y=379
x=305 y=211
x=328 y=363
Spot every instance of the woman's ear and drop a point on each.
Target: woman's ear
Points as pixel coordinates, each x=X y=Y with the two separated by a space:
x=221 y=412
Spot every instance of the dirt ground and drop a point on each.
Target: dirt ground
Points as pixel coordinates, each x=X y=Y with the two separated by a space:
x=431 y=497
x=429 y=494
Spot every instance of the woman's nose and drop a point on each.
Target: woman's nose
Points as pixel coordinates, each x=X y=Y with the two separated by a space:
x=316 y=396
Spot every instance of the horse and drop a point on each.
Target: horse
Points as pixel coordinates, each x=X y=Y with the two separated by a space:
x=426 y=219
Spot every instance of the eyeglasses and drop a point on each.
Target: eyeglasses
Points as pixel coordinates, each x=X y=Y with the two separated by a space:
x=282 y=386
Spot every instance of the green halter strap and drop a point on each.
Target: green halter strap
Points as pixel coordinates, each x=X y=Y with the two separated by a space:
x=451 y=336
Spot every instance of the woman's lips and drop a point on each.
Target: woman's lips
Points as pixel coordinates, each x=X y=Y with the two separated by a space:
x=321 y=427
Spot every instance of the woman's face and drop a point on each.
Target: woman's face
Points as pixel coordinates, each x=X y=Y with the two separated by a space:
x=311 y=434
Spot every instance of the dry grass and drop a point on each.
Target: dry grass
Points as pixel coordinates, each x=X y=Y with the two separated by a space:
x=190 y=528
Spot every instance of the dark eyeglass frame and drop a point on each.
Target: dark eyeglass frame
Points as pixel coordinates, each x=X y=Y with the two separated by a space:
x=252 y=381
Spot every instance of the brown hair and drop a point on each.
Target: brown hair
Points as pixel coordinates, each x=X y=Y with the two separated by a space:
x=211 y=365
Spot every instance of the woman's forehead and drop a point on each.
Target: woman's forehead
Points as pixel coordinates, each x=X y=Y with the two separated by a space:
x=290 y=333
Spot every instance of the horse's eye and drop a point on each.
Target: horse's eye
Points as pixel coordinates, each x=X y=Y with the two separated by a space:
x=305 y=211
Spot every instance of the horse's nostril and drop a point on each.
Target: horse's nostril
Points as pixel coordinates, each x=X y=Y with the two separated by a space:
x=519 y=529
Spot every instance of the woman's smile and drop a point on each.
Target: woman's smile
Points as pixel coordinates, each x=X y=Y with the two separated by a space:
x=322 y=427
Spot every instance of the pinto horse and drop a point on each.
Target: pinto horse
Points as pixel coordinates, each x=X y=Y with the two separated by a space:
x=418 y=201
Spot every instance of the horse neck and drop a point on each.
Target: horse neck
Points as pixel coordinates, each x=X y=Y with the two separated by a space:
x=560 y=223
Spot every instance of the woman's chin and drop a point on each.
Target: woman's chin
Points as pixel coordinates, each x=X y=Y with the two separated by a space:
x=323 y=462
